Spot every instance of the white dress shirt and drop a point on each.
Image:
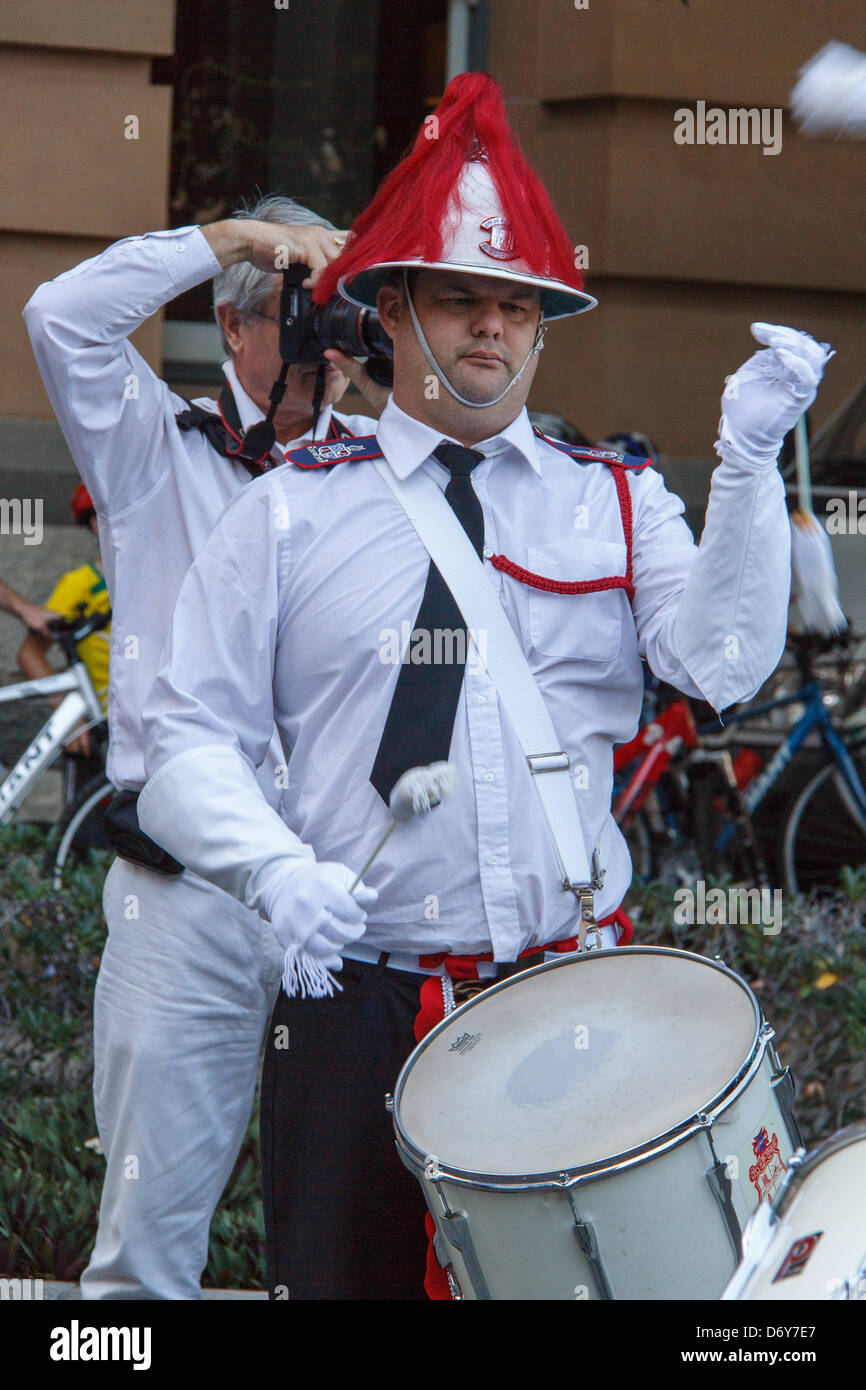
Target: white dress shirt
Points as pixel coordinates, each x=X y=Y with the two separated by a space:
x=289 y=614
x=157 y=491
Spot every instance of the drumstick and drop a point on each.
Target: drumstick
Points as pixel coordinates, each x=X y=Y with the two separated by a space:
x=416 y=792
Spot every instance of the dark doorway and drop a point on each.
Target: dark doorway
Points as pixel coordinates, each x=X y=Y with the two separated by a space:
x=314 y=100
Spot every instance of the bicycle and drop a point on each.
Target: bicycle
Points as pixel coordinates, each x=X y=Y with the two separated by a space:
x=824 y=829
x=688 y=807
x=81 y=702
x=680 y=796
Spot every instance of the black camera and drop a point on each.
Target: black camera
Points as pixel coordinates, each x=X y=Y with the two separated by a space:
x=307 y=328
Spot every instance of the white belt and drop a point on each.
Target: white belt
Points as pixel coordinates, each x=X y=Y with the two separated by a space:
x=403 y=960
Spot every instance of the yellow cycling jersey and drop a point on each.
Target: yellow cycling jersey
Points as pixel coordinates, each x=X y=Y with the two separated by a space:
x=86 y=585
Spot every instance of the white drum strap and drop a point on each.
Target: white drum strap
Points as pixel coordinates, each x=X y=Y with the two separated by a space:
x=455 y=557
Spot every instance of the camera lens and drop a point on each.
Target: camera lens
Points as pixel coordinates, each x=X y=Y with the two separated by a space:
x=355 y=331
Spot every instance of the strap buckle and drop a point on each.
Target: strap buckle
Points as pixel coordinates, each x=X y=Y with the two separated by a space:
x=583 y=892
x=548 y=762
x=596 y=882
x=560 y=762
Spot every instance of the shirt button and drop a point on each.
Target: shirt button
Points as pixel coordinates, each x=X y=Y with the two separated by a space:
x=179 y=247
x=493 y=858
x=481 y=699
x=489 y=777
x=487 y=553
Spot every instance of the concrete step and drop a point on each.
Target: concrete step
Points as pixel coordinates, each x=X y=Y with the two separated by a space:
x=52 y=1291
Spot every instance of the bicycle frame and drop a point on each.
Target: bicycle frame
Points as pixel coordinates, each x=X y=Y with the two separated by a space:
x=81 y=701
x=815 y=716
x=659 y=741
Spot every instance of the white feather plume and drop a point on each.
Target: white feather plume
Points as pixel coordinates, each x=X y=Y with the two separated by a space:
x=830 y=96
x=815 y=588
x=420 y=789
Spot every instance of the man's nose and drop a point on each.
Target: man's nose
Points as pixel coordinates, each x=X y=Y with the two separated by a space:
x=487 y=321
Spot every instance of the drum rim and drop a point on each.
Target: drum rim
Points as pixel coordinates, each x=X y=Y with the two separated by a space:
x=605 y=1167
x=804 y=1163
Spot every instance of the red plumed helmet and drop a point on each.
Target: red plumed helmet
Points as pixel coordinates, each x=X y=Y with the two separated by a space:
x=464 y=197
x=82 y=505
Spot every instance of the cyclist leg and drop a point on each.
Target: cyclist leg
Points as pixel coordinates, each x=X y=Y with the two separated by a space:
x=186 y=985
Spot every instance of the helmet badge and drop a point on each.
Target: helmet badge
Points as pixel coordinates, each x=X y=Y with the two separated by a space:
x=501 y=245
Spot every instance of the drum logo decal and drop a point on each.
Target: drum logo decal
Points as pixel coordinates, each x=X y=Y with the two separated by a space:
x=769 y=1170
x=795 y=1260
x=464 y=1043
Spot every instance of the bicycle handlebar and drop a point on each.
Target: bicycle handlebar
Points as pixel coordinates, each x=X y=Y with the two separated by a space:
x=68 y=632
x=805 y=646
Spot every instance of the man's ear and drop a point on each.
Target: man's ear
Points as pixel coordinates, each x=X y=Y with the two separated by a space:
x=389 y=307
x=230 y=319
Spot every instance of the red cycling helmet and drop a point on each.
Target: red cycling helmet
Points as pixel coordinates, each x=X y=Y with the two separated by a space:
x=82 y=505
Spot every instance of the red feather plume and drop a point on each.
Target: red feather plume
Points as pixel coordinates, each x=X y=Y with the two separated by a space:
x=405 y=218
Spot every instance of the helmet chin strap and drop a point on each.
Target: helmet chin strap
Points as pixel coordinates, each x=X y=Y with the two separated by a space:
x=425 y=348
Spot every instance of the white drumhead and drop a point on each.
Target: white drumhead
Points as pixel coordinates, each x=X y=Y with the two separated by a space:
x=576 y=1062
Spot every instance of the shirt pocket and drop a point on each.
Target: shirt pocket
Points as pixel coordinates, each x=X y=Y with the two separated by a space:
x=577 y=627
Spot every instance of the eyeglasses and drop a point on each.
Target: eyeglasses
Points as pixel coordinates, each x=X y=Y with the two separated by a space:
x=257 y=314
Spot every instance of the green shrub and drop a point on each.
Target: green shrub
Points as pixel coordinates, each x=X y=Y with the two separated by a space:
x=810 y=980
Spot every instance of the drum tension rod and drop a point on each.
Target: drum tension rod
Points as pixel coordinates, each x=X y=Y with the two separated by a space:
x=588 y=1243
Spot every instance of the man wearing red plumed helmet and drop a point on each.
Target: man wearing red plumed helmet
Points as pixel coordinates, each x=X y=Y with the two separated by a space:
x=316 y=603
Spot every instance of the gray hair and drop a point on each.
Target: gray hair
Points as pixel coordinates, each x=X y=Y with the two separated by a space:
x=241 y=284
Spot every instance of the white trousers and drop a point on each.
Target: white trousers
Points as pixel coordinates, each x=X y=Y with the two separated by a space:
x=187 y=983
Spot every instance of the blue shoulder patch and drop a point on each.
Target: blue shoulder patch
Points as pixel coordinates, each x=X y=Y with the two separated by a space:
x=584 y=454
x=335 y=451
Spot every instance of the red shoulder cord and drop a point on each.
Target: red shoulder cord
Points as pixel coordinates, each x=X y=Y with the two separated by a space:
x=584 y=586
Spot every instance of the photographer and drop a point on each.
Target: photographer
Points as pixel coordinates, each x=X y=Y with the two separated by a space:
x=189 y=975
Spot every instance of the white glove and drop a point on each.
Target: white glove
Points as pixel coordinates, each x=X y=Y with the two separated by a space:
x=316 y=914
x=205 y=806
x=765 y=398
x=830 y=97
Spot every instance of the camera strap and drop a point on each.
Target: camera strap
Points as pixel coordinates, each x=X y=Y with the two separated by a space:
x=223 y=430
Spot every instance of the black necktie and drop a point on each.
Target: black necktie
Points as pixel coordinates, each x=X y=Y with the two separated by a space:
x=421 y=718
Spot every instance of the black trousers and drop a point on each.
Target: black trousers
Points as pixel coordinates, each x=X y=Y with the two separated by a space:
x=344 y=1219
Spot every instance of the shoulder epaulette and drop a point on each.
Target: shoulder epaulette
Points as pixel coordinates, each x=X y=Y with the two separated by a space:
x=223 y=431
x=584 y=454
x=323 y=455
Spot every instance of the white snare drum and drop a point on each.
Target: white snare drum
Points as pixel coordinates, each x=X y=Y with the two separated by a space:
x=598 y=1127
x=810 y=1242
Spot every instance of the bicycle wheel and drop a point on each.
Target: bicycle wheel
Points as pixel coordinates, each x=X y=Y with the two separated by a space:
x=88 y=807
x=824 y=831
x=723 y=834
x=675 y=857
